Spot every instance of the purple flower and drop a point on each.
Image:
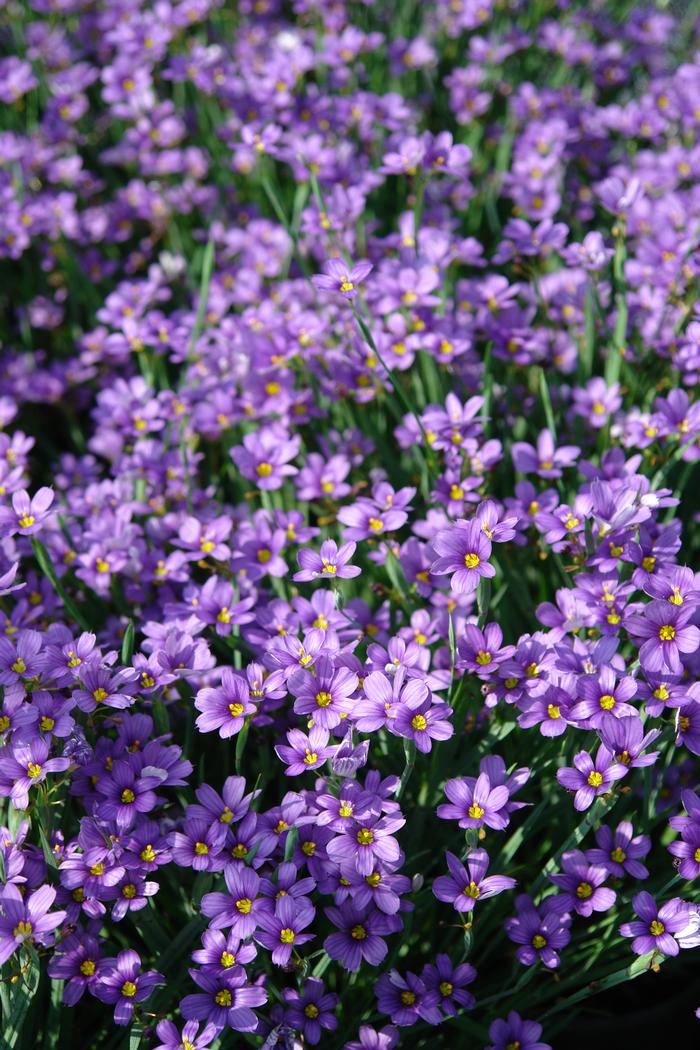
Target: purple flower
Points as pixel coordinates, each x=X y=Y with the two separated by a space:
x=464 y=886
x=422 y=722
x=450 y=982
x=264 y=457
x=27 y=516
x=360 y=937
x=367 y=844
x=474 y=803
x=225 y=707
x=516 y=1033
x=241 y=907
x=371 y=1039
x=281 y=930
x=122 y=985
x=26 y=920
x=619 y=852
x=540 y=936
x=342 y=277
x=667 y=633
x=546 y=460
x=26 y=766
x=406 y=999
x=655 y=928
x=225 y=1000
x=331 y=563
x=589 y=778
x=304 y=752
x=310 y=1011
x=78 y=963
x=324 y=695
x=581 y=886
x=364 y=519
x=190 y=1037
x=626 y=740
x=687 y=848
x=126 y=793
x=463 y=550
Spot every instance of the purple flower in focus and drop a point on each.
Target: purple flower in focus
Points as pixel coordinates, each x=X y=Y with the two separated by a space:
x=619 y=852
x=581 y=886
x=463 y=550
x=516 y=1033
x=27 y=516
x=26 y=919
x=342 y=277
x=309 y=1011
x=123 y=985
x=406 y=999
x=655 y=928
x=590 y=778
x=540 y=936
x=331 y=562
x=465 y=885
x=450 y=982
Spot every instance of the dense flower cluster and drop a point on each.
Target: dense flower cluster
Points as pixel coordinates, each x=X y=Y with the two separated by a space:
x=350 y=653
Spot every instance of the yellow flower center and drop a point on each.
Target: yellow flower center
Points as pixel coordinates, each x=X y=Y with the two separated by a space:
x=129 y=989
x=223 y=997
x=244 y=905
x=87 y=967
x=445 y=988
x=19 y=666
x=100 y=694
x=471 y=560
x=532 y=670
x=648 y=563
x=148 y=854
x=419 y=722
x=475 y=811
x=667 y=632
x=584 y=890
x=483 y=658
x=595 y=779
x=236 y=710
x=376 y=524
x=46 y=724
x=25 y=521
x=34 y=770
x=472 y=890
x=607 y=702
x=346 y=284
x=408 y=998
x=264 y=555
x=311 y=1011
x=553 y=711
x=22 y=929
x=365 y=837
x=239 y=851
x=538 y=941
x=656 y=928
x=287 y=936
x=129 y=891
x=570 y=522
x=618 y=855
x=127 y=796
x=97 y=869
x=358 y=933
x=101 y=565
x=323 y=699
x=227 y=959
x=373 y=880
x=201 y=849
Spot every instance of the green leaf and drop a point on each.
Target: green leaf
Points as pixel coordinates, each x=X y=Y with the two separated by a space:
x=128 y=644
x=23 y=991
x=47 y=567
